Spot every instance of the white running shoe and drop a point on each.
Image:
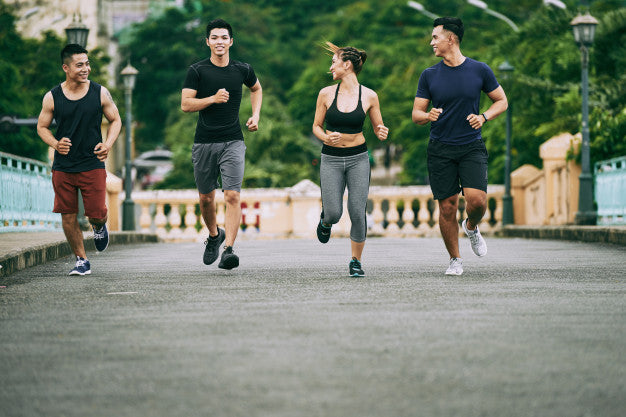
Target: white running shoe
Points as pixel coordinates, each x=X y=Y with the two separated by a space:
x=456 y=267
x=479 y=246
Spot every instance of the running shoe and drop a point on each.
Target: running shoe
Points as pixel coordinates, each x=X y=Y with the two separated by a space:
x=212 y=249
x=229 y=259
x=82 y=267
x=101 y=238
x=456 y=267
x=323 y=232
x=356 y=270
x=479 y=246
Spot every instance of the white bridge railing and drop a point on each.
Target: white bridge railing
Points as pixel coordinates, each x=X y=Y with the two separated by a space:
x=294 y=212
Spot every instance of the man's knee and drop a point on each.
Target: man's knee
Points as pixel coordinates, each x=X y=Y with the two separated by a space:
x=448 y=207
x=231 y=197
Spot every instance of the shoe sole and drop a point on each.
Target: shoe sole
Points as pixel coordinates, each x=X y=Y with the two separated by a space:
x=454 y=274
x=78 y=273
x=357 y=276
x=217 y=252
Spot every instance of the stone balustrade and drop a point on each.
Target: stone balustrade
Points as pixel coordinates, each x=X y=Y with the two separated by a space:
x=294 y=212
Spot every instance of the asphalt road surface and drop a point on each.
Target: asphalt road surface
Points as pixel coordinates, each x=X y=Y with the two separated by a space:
x=535 y=328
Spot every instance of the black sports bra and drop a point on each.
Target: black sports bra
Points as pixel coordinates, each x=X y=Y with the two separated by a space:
x=337 y=121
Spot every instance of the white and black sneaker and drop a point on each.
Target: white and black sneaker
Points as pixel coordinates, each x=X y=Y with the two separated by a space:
x=479 y=246
x=456 y=267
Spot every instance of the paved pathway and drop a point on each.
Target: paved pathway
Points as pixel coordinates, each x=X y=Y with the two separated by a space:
x=536 y=328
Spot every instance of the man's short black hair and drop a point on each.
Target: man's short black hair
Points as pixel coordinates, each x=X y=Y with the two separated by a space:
x=69 y=50
x=218 y=24
x=453 y=24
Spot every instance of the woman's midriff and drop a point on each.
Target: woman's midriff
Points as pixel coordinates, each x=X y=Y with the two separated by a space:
x=348 y=140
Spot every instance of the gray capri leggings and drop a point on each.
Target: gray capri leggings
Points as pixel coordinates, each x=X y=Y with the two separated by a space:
x=337 y=172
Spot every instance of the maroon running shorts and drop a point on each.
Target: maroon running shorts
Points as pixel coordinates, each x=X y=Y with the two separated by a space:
x=92 y=185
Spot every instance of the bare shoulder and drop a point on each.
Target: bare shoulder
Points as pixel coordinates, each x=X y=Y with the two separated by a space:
x=105 y=94
x=48 y=100
x=369 y=94
x=328 y=91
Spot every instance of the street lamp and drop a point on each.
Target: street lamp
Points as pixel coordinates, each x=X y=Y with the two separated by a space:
x=507 y=201
x=129 y=75
x=420 y=8
x=584 y=27
x=482 y=5
x=77 y=32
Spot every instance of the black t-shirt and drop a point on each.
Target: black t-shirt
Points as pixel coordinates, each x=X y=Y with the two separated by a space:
x=81 y=121
x=219 y=122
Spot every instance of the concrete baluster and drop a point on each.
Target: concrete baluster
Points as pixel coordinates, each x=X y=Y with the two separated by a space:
x=160 y=221
x=175 y=221
x=378 y=216
x=191 y=219
x=392 y=217
x=407 y=216
x=145 y=220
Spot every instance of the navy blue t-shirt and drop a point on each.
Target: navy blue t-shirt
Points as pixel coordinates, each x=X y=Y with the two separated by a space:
x=219 y=122
x=456 y=90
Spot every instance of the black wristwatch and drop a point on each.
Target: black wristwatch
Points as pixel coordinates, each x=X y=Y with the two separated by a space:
x=485 y=117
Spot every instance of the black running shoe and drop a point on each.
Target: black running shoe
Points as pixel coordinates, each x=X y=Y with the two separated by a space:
x=323 y=232
x=212 y=249
x=355 y=268
x=101 y=238
x=229 y=259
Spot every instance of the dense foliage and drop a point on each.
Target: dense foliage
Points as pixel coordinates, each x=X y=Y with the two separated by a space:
x=28 y=69
x=283 y=41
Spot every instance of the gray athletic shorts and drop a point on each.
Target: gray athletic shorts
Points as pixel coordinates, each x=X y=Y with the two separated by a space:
x=210 y=160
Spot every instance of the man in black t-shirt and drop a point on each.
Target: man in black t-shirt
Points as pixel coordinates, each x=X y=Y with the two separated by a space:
x=213 y=88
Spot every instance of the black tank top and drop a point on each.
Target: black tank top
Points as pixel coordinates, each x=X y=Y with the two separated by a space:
x=337 y=121
x=80 y=120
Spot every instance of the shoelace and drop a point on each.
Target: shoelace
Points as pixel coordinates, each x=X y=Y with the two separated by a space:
x=98 y=235
x=80 y=262
x=473 y=235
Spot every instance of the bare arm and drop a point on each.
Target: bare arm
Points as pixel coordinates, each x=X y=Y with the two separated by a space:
x=256 y=99
x=112 y=114
x=318 y=121
x=420 y=115
x=189 y=103
x=498 y=106
x=376 y=118
x=43 y=127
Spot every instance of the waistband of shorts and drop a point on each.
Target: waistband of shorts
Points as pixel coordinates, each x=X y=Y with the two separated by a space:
x=353 y=150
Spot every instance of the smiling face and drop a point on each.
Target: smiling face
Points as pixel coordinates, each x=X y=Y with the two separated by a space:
x=339 y=67
x=441 y=41
x=78 y=69
x=219 y=41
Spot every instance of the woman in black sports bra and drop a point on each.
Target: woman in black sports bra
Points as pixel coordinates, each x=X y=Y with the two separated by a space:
x=345 y=161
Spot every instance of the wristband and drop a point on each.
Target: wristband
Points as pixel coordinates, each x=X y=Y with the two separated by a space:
x=485 y=117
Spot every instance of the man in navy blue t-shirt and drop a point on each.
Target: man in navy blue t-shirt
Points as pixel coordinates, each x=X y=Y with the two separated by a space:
x=457 y=157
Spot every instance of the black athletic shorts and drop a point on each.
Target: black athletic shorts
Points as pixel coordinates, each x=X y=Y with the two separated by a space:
x=454 y=167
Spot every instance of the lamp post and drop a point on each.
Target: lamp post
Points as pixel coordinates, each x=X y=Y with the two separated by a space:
x=420 y=8
x=129 y=75
x=584 y=27
x=507 y=201
x=482 y=5
x=77 y=32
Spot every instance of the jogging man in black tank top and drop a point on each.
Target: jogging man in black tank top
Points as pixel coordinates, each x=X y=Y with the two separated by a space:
x=77 y=105
x=213 y=87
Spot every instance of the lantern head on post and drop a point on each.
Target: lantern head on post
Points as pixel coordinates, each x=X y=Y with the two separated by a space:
x=129 y=75
x=77 y=32
x=584 y=27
